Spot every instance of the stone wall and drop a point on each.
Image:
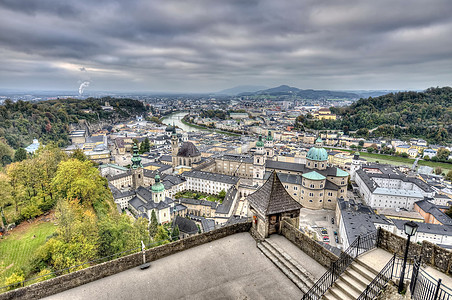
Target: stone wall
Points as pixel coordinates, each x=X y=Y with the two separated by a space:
x=308 y=245
x=71 y=280
x=432 y=254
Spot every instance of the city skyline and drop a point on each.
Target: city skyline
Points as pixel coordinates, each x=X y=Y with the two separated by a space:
x=206 y=47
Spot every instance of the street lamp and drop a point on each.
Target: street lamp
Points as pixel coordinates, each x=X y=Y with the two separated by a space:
x=410 y=229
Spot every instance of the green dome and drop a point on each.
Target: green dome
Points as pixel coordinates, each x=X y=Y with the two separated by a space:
x=260 y=143
x=157 y=186
x=318 y=154
x=314 y=176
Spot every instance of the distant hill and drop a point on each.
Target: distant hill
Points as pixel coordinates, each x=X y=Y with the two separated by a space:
x=426 y=115
x=20 y=122
x=285 y=90
x=241 y=89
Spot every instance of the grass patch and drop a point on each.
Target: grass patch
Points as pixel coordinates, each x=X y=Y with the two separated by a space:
x=397 y=160
x=18 y=248
x=198 y=195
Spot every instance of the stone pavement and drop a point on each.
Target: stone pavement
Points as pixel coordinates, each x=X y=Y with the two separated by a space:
x=228 y=268
x=377 y=258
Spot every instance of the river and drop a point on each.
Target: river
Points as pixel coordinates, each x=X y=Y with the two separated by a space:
x=176 y=120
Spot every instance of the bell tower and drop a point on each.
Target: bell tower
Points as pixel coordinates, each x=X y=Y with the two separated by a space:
x=137 y=169
x=269 y=153
x=259 y=163
x=174 y=147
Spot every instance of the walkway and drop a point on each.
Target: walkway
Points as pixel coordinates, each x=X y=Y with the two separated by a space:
x=228 y=268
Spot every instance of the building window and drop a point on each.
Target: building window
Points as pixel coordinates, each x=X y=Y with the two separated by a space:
x=315 y=165
x=320 y=200
x=310 y=200
x=329 y=200
x=311 y=194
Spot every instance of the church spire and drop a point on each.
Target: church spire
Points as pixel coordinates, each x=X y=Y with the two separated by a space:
x=136 y=159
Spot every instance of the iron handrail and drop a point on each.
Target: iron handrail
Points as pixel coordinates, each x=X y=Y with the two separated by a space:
x=379 y=282
x=361 y=245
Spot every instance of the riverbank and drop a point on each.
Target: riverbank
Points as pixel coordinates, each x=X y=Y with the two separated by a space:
x=209 y=129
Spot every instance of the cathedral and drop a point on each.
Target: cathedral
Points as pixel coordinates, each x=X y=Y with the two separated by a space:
x=315 y=185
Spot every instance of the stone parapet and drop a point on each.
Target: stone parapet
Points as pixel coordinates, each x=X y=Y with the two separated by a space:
x=432 y=255
x=96 y=272
x=307 y=245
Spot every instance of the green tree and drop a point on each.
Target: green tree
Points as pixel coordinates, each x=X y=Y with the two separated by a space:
x=442 y=154
x=361 y=143
x=14 y=280
x=20 y=154
x=153 y=226
x=222 y=194
x=6 y=152
x=145 y=146
x=78 y=154
x=438 y=170
x=79 y=180
x=161 y=237
x=449 y=175
x=175 y=233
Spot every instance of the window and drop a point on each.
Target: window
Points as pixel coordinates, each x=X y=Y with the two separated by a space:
x=315 y=165
x=310 y=200
x=311 y=194
x=311 y=186
x=320 y=200
x=329 y=200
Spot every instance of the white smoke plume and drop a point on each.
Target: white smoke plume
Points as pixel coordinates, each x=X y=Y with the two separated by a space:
x=82 y=87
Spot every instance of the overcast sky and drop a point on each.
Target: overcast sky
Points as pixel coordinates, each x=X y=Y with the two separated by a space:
x=204 y=46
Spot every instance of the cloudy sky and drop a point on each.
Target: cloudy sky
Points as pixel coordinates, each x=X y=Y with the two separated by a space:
x=199 y=46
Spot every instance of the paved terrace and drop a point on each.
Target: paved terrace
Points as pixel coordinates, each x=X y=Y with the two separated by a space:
x=228 y=268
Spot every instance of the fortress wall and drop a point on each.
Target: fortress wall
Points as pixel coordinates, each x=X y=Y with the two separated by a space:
x=77 y=278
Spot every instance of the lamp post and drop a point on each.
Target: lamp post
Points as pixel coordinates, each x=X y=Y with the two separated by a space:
x=410 y=229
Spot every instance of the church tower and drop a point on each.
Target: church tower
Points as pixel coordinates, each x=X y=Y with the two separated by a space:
x=158 y=190
x=259 y=163
x=174 y=147
x=137 y=169
x=269 y=152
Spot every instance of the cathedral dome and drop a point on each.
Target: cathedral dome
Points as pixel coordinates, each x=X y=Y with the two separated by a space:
x=318 y=154
x=188 y=150
x=157 y=186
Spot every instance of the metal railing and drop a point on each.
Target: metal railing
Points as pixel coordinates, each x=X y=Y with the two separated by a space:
x=425 y=287
x=379 y=282
x=361 y=245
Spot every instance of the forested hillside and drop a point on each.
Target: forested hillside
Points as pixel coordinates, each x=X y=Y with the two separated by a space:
x=20 y=122
x=82 y=224
x=425 y=115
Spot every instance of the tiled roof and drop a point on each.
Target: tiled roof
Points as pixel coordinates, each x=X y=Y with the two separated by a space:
x=272 y=198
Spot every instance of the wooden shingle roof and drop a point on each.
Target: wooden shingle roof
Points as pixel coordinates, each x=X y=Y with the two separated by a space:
x=272 y=198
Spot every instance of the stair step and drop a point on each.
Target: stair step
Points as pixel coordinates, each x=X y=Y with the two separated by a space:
x=356 y=276
x=309 y=277
x=369 y=268
x=353 y=282
x=339 y=294
x=294 y=278
x=363 y=271
x=347 y=288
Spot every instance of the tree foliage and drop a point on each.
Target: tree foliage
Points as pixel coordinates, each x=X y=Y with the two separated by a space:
x=425 y=114
x=21 y=122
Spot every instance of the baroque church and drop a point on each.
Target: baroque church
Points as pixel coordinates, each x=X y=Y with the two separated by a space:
x=314 y=185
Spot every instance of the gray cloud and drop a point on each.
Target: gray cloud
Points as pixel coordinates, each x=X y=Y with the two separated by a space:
x=209 y=45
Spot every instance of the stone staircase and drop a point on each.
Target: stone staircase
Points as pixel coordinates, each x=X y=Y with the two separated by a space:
x=352 y=282
x=291 y=268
